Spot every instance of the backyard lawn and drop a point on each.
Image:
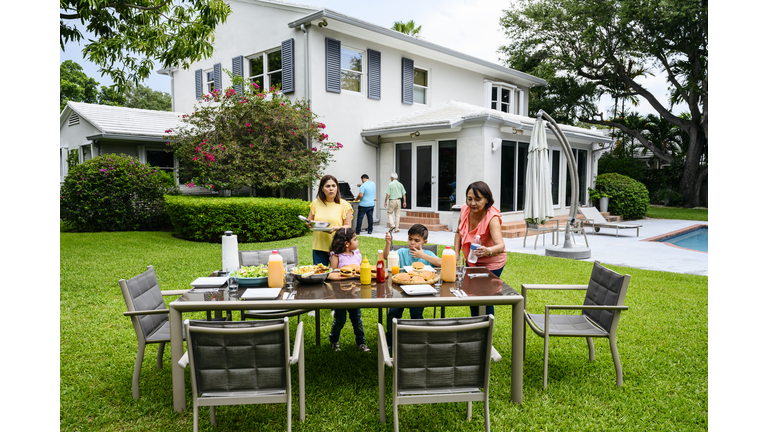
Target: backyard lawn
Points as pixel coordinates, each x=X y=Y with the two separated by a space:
x=662 y=340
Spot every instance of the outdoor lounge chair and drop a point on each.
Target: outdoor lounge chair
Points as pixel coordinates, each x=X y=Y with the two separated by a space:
x=596 y=220
x=543 y=229
x=149 y=315
x=242 y=362
x=433 y=249
x=438 y=361
x=599 y=317
x=290 y=256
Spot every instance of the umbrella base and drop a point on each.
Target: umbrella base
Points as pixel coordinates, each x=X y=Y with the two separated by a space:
x=572 y=252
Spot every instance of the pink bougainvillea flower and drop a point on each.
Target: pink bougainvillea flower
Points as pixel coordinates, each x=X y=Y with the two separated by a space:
x=190 y=184
x=194 y=158
x=247 y=124
x=314 y=149
x=290 y=160
x=282 y=104
x=339 y=145
x=168 y=131
x=230 y=92
x=255 y=85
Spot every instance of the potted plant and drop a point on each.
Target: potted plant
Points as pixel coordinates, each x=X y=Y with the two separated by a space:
x=602 y=197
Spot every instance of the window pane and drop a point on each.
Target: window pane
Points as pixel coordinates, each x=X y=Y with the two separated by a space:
x=505 y=95
x=555 y=171
x=350 y=81
x=351 y=60
x=420 y=77
x=424 y=176
x=419 y=95
x=505 y=107
x=160 y=158
x=276 y=80
x=274 y=61
x=522 y=162
x=259 y=82
x=446 y=175
x=257 y=66
x=403 y=168
x=508 y=155
x=581 y=168
x=494 y=95
x=493 y=105
x=210 y=76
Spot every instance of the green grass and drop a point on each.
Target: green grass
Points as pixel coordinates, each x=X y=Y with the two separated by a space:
x=662 y=341
x=660 y=212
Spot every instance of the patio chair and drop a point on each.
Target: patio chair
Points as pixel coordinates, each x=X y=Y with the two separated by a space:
x=290 y=256
x=596 y=220
x=242 y=363
x=433 y=249
x=438 y=361
x=149 y=315
x=577 y=228
x=543 y=230
x=599 y=317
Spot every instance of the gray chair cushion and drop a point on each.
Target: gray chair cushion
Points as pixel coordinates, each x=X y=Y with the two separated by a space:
x=603 y=290
x=256 y=257
x=145 y=295
x=568 y=325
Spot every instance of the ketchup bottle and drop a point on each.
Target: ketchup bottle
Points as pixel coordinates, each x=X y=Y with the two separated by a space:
x=381 y=273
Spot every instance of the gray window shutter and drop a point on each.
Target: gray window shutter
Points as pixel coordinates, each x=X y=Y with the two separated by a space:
x=407 y=81
x=217 y=76
x=237 y=70
x=287 y=55
x=374 y=74
x=199 y=84
x=332 y=65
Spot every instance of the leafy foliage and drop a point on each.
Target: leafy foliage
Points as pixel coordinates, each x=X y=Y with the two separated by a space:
x=143 y=97
x=408 y=28
x=115 y=193
x=251 y=219
x=629 y=197
x=254 y=138
x=129 y=35
x=76 y=86
x=591 y=48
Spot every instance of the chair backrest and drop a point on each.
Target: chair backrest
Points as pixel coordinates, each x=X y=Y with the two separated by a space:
x=142 y=293
x=256 y=257
x=606 y=288
x=231 y=356
x=448 y=353
x=431 y=248
x=592 y=213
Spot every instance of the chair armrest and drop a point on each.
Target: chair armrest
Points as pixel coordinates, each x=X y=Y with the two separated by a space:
x=184 y=360
x=173 y=292
x=495 y=356
x=298 y=343
x=146 y=312
x=552 y=287
x=582 y=307
x=383 y=351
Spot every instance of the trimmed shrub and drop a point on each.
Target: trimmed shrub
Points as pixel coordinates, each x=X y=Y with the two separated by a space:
x=629 y=197
x=115 y=193
x=251 y=219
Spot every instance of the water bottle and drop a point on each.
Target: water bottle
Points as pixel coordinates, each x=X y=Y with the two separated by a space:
x=472 y=258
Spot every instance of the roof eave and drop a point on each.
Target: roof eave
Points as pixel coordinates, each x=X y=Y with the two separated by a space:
x=126 y=137
x=482 y=118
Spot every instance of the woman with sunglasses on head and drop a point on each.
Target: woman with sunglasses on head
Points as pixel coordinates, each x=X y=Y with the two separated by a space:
x=328 y=207
x=480 y=217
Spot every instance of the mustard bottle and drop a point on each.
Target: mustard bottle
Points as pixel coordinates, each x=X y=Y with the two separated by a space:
x=365 y=272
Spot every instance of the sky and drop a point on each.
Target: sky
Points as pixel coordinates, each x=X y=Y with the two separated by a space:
x=468 y=26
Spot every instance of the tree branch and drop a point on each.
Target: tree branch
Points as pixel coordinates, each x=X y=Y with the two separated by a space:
x=635 y=134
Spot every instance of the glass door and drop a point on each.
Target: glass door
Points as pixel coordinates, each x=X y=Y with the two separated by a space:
x=424 y=177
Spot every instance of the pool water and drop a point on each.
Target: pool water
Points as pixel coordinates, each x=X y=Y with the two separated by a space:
x=697 y=239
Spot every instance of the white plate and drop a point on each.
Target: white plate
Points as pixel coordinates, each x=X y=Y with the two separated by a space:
x=261 y=294
x=418 y=289
x=209 y=282
x=426 y=267
x=322 y=229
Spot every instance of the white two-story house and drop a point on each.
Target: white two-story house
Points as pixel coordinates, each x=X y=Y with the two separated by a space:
x=439 y=118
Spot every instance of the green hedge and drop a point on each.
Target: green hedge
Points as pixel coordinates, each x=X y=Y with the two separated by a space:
x=251 y=219
x=629 y=197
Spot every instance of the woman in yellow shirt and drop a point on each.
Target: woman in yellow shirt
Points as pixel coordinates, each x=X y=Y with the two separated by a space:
x=328 y=207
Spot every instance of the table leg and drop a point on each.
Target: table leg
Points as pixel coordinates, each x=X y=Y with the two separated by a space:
x=518 y=342
x=317 y=327
x=177 y=350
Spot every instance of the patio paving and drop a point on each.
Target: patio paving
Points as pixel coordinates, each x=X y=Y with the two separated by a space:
x=625 y=250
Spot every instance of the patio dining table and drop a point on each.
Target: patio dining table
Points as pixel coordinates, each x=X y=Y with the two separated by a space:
x=483 y=290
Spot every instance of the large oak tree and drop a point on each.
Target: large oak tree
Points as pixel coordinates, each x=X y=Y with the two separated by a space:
x=591 y=48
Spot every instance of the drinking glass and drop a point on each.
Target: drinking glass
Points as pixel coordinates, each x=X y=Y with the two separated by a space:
x=439 y=281
x=289 y=275
x=460 y=270
x=395 y=269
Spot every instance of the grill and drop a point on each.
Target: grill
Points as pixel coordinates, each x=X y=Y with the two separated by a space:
x=345 y=191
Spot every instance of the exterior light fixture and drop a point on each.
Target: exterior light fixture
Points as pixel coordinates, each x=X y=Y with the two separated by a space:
x=415 y=134
x=322 y=24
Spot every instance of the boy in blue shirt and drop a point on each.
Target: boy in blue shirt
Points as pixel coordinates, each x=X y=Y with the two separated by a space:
x=417 y=237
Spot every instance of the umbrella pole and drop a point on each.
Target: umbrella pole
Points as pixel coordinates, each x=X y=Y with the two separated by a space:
x=581 y=253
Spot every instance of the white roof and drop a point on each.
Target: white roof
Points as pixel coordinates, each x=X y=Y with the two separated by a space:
x=112 y=120
x=452 y=114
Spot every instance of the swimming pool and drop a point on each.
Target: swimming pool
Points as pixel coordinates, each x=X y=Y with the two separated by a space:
x=693 y=238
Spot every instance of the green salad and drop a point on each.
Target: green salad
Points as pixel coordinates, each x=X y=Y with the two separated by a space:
x=251 y=271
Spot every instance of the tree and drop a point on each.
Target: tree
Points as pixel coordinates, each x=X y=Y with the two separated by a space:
x=257 y=139
x=129 y=35
x=603 y=47
x=408 y=28
x=143 y=97
x=76 y=86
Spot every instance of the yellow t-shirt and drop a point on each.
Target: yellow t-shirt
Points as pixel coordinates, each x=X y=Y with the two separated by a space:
x=334 y=214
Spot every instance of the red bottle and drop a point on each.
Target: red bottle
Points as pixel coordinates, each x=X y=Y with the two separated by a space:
x=381 y=273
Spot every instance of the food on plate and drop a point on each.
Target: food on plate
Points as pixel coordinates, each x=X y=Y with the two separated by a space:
x=418 y=279
x=418 y=266
x=401 y=277
x=311 y=270
x=427 y=275
x=349 y=270
x=413 y=273
x=251 y=271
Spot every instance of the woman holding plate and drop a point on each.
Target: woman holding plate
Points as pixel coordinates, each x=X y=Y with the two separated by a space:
x=328 y=207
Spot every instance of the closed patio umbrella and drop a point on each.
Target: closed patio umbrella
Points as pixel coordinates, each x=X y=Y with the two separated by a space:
x=538 y=187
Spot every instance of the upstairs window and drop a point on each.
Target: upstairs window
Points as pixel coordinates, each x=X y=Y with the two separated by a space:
x=501 y=99
x=351 y=70
x=420 y=86
x=266 y=69
x=210 y=81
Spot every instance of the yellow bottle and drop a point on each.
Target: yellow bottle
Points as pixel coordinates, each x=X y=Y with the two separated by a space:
x=275 y=270
x=448 y=266
x=365 y=272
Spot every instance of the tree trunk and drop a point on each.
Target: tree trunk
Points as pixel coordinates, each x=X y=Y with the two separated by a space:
x=693 y=173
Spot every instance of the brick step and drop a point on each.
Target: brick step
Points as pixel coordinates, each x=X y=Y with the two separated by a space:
x=425 y=221
x=422 y=215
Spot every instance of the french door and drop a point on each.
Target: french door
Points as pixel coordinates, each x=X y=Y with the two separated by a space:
x=416 y=167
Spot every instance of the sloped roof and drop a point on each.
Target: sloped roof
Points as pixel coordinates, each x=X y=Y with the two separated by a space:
x=115 y=121
x=453 y=114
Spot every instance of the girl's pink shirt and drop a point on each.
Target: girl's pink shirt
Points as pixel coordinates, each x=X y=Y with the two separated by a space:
x=482 y=229
x=354 y=258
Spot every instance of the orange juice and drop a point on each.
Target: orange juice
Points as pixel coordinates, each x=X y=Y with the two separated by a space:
x=448 y=265
x=395 y=269
x=275 y=270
